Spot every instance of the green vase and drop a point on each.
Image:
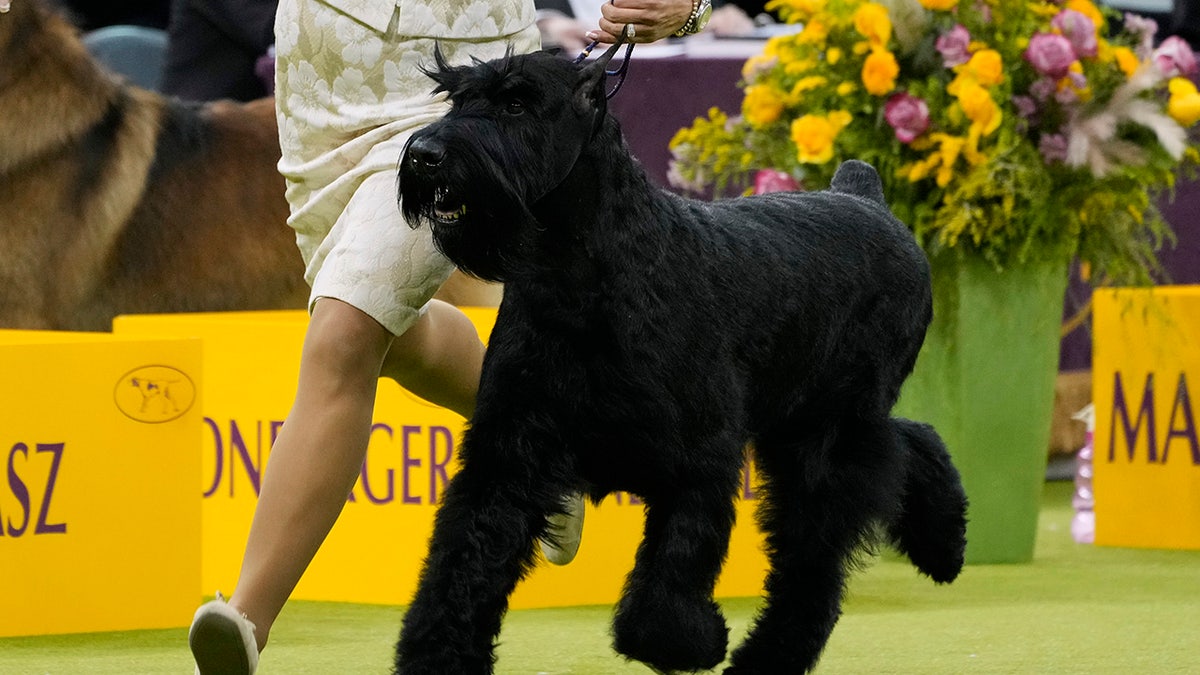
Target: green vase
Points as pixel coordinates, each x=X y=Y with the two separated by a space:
x=985 y=380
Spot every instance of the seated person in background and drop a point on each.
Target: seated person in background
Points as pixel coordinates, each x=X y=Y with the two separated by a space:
x=213 y=47
x=565 y=23
x=92 y=14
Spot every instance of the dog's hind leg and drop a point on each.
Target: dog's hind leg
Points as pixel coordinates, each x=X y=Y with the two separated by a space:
x=667 y=618
x=931 y=529
x=823 y=493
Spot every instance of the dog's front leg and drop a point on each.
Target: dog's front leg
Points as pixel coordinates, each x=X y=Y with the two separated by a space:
x=482 y=545
x=667 y=617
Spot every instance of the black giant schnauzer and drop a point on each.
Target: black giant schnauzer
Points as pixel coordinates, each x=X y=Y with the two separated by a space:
x=643 y=341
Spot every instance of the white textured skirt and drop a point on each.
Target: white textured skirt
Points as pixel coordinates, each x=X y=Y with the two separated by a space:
x=348 y=96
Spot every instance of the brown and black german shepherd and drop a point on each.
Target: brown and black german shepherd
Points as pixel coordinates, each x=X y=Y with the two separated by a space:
x=114 y=199
x=118 y=200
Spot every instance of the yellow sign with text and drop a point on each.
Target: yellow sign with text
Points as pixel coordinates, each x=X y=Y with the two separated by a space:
x=1147 y=448
x=99 y=522
x=375 y=551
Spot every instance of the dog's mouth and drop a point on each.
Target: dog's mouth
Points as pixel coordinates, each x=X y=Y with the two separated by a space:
x=447 y=209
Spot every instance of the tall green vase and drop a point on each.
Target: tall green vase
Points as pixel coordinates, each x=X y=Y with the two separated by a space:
x=985 y=381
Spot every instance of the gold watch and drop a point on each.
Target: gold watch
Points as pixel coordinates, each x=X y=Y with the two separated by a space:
x=698 y=19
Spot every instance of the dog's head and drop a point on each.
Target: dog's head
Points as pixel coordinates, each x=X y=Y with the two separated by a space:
x=516 y=127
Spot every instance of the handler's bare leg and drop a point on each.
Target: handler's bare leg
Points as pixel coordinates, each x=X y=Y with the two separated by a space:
x=321 y=446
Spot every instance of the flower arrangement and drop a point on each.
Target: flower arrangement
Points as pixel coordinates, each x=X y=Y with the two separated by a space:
x=1003 y=128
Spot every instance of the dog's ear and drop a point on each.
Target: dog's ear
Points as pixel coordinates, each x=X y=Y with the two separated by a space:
x=589 y=90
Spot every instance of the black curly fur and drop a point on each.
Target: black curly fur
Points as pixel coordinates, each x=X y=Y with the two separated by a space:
x=644 y=339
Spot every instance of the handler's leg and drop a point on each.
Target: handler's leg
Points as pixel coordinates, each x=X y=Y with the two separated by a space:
x=320 y=448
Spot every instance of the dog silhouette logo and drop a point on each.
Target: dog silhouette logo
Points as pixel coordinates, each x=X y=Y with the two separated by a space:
x=154 y=394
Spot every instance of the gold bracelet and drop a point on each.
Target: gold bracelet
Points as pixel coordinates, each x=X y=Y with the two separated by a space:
x=683 y=30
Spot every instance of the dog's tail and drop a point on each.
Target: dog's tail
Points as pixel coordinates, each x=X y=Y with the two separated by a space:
x=854 y=177
x=931 y=528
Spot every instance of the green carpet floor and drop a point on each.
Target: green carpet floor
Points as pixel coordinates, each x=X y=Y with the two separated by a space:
x=1075 y=609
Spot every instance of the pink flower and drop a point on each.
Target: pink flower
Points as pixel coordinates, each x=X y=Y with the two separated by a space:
x=953 y=46
x=1053 y=148
x=1174 y=57
x=1050 y=55
x=908 y=115
x=1043 y=88
x=770 y=180
x=1025 y=105
x=1079 y=29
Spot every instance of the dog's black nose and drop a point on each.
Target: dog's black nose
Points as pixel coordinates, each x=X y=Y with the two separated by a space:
x=426 y=151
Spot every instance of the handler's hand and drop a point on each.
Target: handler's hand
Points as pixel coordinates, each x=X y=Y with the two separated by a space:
x=652 y=20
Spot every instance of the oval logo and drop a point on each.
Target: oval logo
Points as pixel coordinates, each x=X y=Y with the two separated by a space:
x=154 y=394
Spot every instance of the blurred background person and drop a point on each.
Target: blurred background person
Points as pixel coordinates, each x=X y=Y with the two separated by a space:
x=92 y=14
x=214 y=46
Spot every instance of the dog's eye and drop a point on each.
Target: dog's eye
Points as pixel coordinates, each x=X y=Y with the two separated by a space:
x=514 y=106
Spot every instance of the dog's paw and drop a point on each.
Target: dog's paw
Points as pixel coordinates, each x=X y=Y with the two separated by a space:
x=671 y=633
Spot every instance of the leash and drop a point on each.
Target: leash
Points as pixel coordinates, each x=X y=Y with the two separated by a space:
x=621 y=71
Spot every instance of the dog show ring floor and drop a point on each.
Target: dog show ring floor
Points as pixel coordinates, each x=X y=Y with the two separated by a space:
x=1075 y=609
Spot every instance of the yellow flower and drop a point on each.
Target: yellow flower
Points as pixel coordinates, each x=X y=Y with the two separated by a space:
x=978 y=106
x=1127 y=61
x=814 y=32
x=833 y=55
x=814 y=135
x=805 y=8
x=763 y=104
x=951 y=147
x=879 y=72
x=846 y=88
x=943 y=158
x=807 y=84
x=986 y=67
x=939 y=5
x=1184 y=105
x=872 y=22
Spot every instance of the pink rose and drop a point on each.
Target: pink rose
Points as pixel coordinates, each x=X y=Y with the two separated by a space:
x=908 y=115
x=1174 y=57
x=1079 y=29
x=953 y=46
x=770 y=180
x=1050 y=55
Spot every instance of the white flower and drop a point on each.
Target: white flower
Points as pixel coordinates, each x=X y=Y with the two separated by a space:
x=1091 y=139
x=351 y=88
x=476 y=19
x=358 y=46
x=305 y=87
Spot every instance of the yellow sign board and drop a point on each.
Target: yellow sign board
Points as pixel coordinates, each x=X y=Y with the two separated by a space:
x=1147 y=449
x=99 y=523
x=375 y=551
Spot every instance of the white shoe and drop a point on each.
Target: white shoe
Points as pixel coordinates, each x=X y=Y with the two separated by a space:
x=566 y=531
x=222 y=640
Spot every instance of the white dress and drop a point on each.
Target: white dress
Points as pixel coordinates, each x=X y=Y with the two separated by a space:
x=349 y=93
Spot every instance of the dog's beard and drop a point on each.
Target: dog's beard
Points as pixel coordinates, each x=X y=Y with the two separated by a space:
x=473 y=210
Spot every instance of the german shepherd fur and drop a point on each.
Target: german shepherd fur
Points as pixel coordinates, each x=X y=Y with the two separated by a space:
x=116 y=200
